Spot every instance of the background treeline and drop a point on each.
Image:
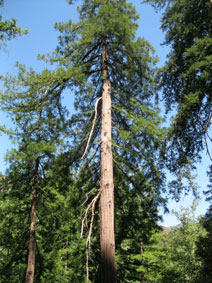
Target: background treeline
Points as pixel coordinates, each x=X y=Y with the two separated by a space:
x=50 y=230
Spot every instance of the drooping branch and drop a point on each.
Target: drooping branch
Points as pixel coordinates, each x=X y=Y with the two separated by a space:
x=88 y=241
x=92 y=129
x=91 y=204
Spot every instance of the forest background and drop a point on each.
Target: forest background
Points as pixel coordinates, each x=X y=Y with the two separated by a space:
x=39 y=18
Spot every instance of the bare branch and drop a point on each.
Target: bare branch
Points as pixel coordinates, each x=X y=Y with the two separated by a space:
x=94 y=120
x=84 y=218
x=91 y=204
x=88 y=241
x=87 y=195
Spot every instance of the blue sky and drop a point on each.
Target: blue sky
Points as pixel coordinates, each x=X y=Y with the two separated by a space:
x=39 y=18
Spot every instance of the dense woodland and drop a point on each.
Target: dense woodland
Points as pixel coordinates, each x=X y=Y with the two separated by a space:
x=80 y=199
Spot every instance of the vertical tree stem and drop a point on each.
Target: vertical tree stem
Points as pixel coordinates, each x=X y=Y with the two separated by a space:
x=32 y=242
x=107 y=238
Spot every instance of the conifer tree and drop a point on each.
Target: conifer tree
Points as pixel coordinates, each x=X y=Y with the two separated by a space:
x=186 y=78
x=36 y=111
x=113 y=72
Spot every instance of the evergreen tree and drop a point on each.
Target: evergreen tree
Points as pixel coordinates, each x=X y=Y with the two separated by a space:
x=33 y=103
x=186 y=78
x=113 y=72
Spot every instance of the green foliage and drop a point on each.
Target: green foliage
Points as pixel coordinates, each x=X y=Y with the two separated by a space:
x=9 y=29
x=204 y=249
x=186 y=78
x=32 y=102
x=173 y=257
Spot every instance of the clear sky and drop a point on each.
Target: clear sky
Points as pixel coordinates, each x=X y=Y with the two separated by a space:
x=39 y=17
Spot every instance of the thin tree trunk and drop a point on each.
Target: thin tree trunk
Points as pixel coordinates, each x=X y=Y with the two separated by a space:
x=32 y=243
x=107 y=238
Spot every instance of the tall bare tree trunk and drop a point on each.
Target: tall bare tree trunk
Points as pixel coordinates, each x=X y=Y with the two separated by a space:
x=107 y=238
x=32 y=243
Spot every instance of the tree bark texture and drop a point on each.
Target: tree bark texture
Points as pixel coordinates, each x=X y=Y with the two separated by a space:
x=107 y=238
x=32 y=241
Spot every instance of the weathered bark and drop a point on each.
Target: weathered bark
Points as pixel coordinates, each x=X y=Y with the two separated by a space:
x=32 y=241
x=107 y=238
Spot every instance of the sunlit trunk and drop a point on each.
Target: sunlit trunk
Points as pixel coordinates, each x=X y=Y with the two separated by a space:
x=107 y=239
